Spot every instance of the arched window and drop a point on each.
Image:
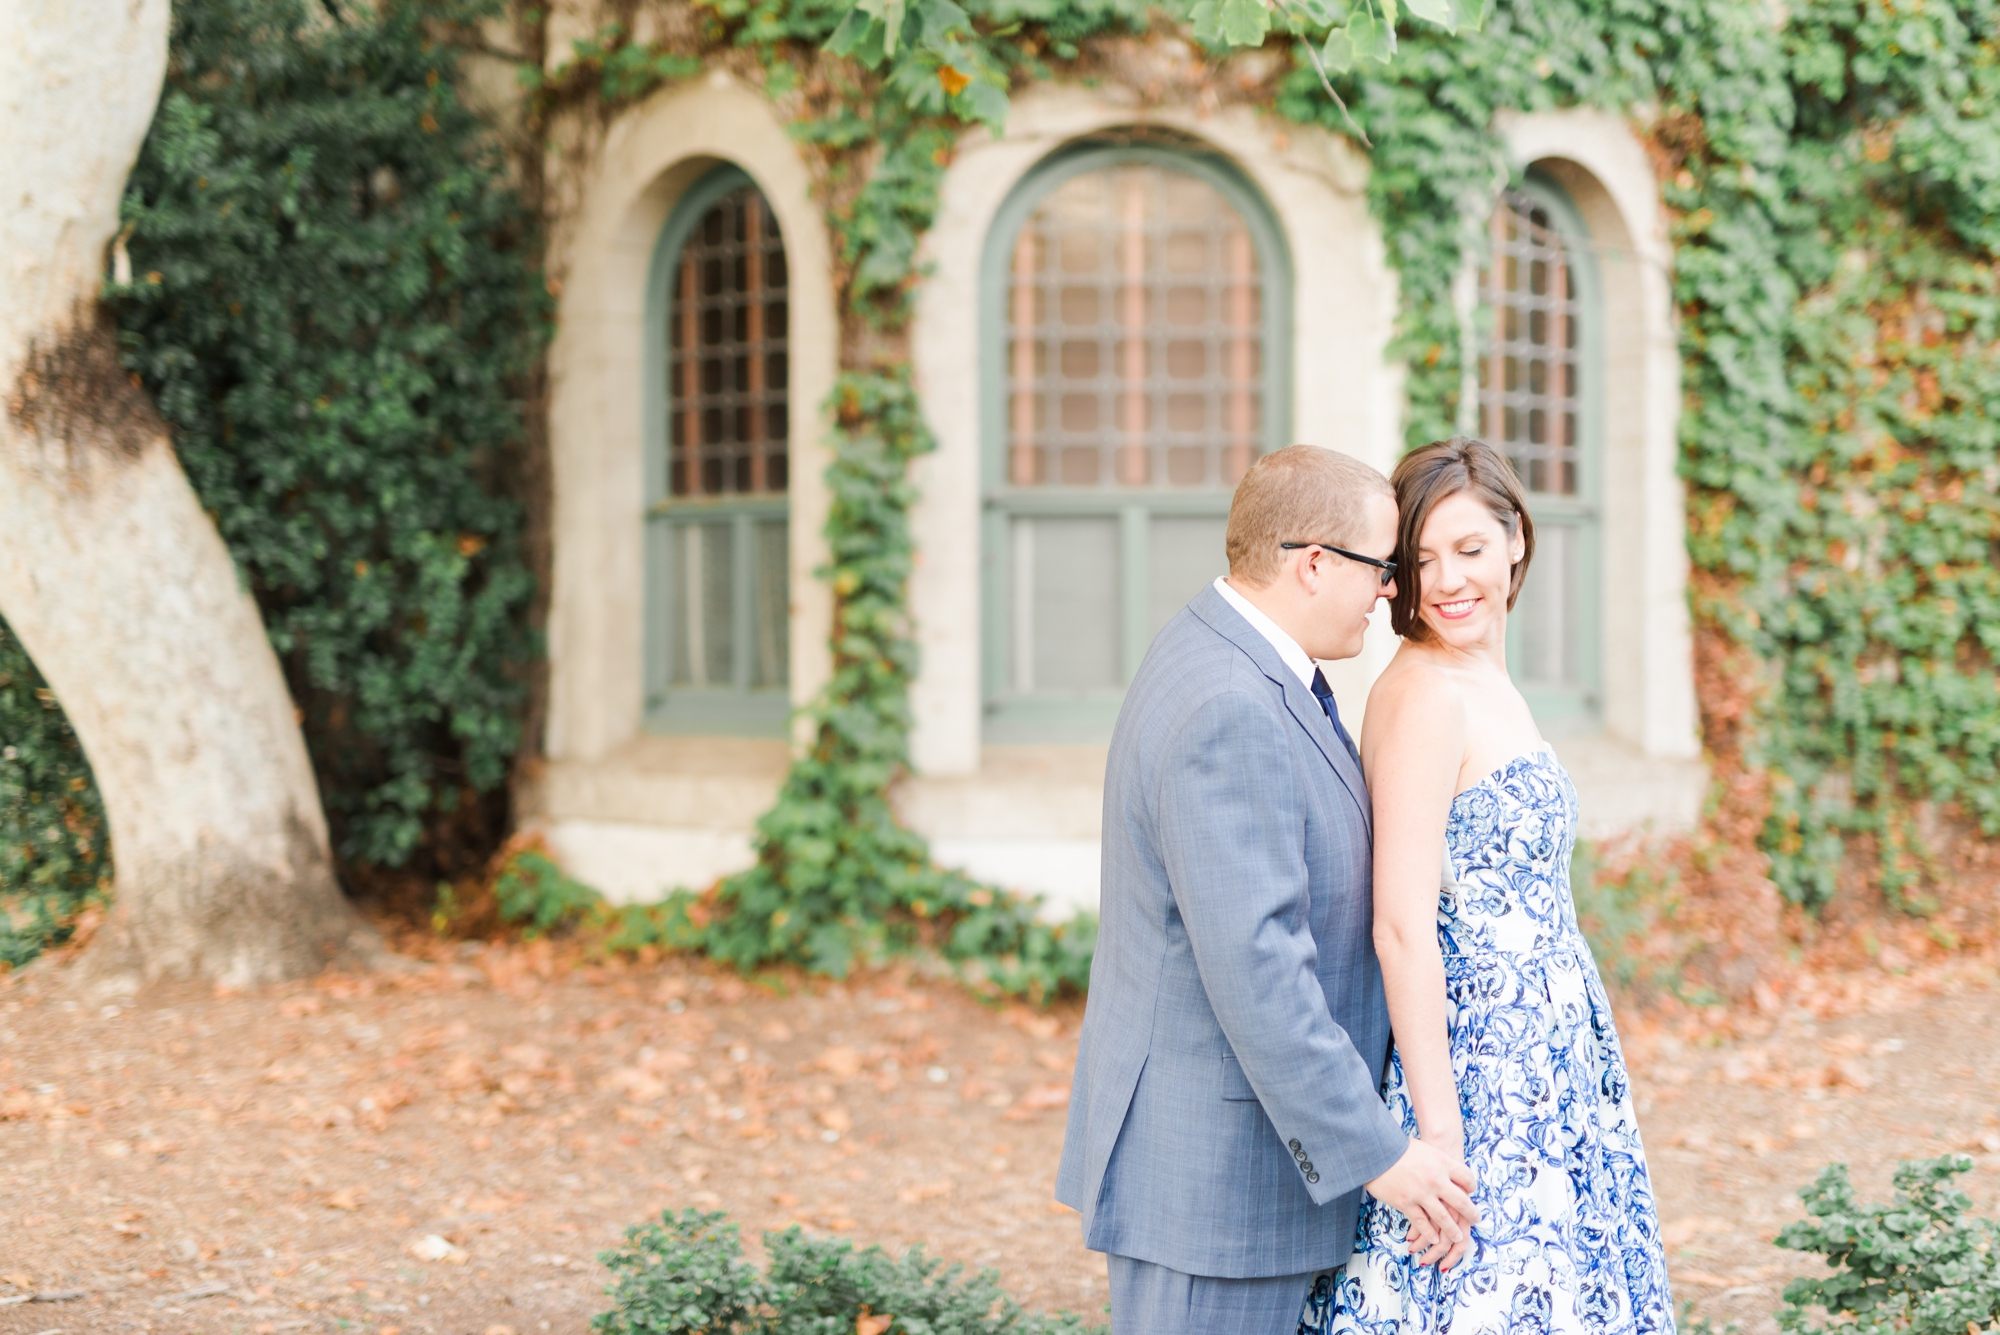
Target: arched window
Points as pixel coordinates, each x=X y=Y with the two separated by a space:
x=718 y=592
x=1136 y=338
x=1540 y=396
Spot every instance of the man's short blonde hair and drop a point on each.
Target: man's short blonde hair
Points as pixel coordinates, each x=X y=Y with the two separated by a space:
x=1301 y=493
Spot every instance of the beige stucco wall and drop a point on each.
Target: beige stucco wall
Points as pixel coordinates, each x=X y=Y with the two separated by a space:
x=1345 y=395
x=623 y=189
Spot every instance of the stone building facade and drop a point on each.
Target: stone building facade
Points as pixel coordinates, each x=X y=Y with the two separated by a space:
x=1126 y=301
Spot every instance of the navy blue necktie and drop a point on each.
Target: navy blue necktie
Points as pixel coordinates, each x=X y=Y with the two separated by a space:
x=1324 y=694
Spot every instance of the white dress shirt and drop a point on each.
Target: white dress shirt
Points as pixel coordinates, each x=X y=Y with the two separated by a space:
x=1288 y=648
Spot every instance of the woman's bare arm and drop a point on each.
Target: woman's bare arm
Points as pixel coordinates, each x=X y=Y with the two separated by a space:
x=1414 y=745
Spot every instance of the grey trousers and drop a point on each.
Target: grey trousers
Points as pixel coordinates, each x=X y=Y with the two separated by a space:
x=1148 y=1299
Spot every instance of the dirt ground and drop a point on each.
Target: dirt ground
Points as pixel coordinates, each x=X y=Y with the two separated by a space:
x=444 y=1150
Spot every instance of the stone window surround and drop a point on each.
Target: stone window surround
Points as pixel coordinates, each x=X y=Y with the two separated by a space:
x=601 y=252
x=1647 y=662
x=1343 y=394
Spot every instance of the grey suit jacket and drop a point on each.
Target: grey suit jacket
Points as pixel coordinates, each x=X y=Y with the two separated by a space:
x=1226 y=1105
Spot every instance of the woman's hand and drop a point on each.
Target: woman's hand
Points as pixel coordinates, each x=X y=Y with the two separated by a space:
x=1428 y=1245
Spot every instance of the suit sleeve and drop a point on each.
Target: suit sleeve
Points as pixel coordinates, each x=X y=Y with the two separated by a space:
x=1231 y=822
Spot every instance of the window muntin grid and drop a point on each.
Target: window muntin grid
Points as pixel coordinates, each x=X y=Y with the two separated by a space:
x=1531 y=372
x=1135 y=349
x=727 y=328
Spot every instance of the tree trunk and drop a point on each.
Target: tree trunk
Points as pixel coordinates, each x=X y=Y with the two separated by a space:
x=110 y=573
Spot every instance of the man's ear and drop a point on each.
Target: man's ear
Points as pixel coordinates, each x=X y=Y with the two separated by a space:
x=1307 y=570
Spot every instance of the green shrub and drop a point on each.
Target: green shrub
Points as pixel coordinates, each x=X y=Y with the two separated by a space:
x=1918 y=1265
x=335 y=304
x=540 y=897
x=687 y=1273
x=55 y=855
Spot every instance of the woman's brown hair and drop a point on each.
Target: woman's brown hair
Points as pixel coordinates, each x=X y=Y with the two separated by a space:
x=1428 y=475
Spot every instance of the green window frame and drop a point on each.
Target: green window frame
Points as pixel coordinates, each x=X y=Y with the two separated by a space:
x=1160 y=538
x=717 y=567
x=1555 y=633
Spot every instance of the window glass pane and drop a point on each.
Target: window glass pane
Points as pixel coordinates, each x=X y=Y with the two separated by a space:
x=1183 y=554
x=1066 y=604
x=1548 y=608
x=727 y=354
x=1135 y=353
x=1530 y=373
x=771 y=605
x=704 y=647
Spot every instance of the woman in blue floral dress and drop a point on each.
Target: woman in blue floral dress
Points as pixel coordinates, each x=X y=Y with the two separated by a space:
x=1506 y=1054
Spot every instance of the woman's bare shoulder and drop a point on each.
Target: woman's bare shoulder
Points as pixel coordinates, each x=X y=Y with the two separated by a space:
x=1415 y=679
x=1416 y=699
x=1414 y=731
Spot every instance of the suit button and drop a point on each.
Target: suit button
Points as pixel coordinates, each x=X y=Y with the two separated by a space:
x=1312 y=1177
x=1294 y=1146
x=1300 y=1155
x=1307 y=1167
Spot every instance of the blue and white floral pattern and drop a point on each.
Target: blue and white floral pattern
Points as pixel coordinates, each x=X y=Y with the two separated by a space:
x=1569 y=1237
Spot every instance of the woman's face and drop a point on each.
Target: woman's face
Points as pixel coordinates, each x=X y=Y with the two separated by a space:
x=1465 y=563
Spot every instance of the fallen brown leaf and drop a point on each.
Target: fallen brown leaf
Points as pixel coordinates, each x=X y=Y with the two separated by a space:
x=839 y=1061
x=635 y=1084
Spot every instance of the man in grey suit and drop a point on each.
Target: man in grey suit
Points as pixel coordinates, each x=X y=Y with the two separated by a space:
x=1226 y=1110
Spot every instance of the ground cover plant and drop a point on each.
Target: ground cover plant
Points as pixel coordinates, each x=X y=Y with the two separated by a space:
x=686 y=1273
x=1920 y=1264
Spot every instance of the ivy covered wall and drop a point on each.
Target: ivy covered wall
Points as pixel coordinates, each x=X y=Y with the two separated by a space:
x=1830 y=172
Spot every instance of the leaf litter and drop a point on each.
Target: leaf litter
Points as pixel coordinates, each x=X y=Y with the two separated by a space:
x=447 y=1148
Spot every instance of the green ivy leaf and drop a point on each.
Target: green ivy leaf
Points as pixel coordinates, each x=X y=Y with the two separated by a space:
x=1444 y=13
x=1206 y=18
x=1338 y=53
x=1244 y=22
x=891 y=13
x=853 y=37
x=986 y=104
x=940 y=19
x=1373 y=39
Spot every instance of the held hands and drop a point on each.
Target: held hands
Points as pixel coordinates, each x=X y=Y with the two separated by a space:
x=1433 y=1188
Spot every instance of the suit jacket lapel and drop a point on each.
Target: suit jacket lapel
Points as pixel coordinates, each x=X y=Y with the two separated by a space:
x=1227 y=622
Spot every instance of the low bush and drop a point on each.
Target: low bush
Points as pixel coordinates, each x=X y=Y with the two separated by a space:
x=687 y=1274
x=55 y=855
x=1918 y=1265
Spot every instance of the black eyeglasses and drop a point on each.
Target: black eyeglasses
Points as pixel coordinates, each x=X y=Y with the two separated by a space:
x=1388 y=568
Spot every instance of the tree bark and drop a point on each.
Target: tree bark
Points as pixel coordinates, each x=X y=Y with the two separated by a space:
x=113 y=577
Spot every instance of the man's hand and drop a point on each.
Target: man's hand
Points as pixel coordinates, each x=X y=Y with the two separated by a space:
x=1434 y=1192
